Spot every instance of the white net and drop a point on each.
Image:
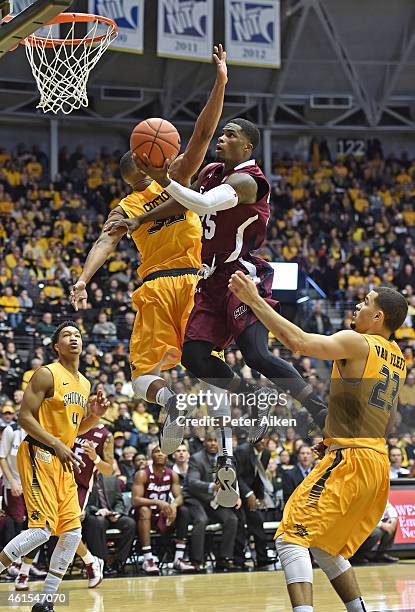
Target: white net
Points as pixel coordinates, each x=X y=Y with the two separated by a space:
x=61 y=67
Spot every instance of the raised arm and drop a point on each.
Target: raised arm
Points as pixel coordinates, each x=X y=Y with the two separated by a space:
x=345 y=344
x=185 y=166
x=97 y=256
x=169 y=208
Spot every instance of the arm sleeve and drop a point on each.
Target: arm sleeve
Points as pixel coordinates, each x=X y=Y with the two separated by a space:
x=219 y=198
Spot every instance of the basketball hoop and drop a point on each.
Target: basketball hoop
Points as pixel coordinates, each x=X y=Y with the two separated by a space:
x=61 y=66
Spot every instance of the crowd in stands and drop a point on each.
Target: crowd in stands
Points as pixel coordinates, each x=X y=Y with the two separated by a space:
x=349 y=223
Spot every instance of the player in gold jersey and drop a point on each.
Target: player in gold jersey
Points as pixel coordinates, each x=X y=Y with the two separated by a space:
x=343 y=498
x=55 y=409
x=170 y=256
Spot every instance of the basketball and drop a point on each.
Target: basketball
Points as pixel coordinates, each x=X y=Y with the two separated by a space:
x=156 y=137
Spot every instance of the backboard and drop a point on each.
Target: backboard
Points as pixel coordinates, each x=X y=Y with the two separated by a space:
x=12 y=31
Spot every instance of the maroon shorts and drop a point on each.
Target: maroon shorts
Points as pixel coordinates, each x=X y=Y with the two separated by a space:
x=13 y=506
x=218 y=316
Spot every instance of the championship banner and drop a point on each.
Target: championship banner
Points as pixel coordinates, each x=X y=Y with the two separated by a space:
x=129 y=17
x=185 y=29
x=252 y=32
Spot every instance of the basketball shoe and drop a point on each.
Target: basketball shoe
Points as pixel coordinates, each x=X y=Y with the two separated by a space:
x=180 y=565
x=172 y=430
x=95 y=572
x=228 y=493
x=21 y=583
x=150 y=567
x=260 y=412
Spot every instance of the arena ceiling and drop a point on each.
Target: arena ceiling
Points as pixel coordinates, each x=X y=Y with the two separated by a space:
x=361 y=51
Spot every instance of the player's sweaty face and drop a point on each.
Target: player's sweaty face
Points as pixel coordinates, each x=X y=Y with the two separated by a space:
x=232 y=143
x=70 y=341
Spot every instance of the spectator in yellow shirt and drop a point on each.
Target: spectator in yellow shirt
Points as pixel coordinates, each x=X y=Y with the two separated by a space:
x=32 y=250
x=6 y=204
x=117 y=263
x=34 y=169
x=141 y=418
x=11 y=306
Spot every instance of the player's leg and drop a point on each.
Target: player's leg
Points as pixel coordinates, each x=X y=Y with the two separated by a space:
x=341 y=575
x=15 y=509
x=181 y=526
x=198 y=358
x=22 y=580
x=38 y=485
x=253 y=343
x=144 y=527
x=296 y=564
x=152 y=337
x=62 y=556
x=94 y=566
x=68 y=528
x=23 y=544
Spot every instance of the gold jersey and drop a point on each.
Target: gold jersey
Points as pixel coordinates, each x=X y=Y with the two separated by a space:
x=166 y=244
x=359 y=410
x=61 y=415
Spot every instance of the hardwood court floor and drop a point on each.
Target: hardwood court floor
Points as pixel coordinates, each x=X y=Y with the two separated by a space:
x=385 y=588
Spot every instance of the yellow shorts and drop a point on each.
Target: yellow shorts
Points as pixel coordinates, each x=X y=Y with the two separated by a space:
x=50 y=493
x=340 y=502
x=163 y=308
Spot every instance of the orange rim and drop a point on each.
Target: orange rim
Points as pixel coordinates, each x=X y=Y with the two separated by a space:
x=34 y=40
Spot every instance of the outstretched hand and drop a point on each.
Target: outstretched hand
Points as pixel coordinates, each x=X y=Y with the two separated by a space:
x=99 y=404
x=79 y=296
x=160 y=175
x=219 y=57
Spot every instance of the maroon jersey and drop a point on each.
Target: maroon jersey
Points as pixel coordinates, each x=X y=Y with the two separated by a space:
x=84 y=479
x=158 y=487
x=228 y=235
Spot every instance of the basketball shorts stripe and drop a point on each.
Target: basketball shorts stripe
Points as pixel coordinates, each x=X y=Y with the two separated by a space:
x=50 y=492
x=339 y=503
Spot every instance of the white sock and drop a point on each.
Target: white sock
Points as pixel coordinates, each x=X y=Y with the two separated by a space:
x=180 y=548
x=357 y=605
x=52 y=583
x=147 y=553
x=303 y=609
x=163 y=395
x=25 y=568
x=224 y=438
x=88 y=559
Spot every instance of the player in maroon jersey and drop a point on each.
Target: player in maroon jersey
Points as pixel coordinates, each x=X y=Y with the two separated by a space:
x=232 y=197
x=96 y=449
x=158 y=500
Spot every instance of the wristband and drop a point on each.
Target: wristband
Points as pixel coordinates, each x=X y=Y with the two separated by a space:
x=97 y=460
